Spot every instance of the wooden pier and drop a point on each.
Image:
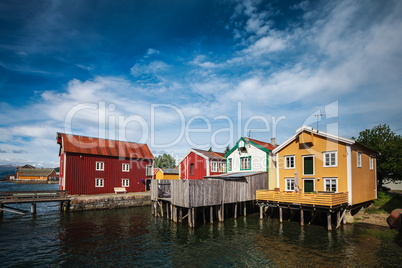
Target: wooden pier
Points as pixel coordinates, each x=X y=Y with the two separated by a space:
x=215 y=197
x=32 y=197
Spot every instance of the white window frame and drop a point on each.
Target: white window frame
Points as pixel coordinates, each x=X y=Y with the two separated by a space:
x=324 y=161
x=245 y=166
x=125 y=167
x=100 y=166
x=222 y=167
x=125 y=183
x=371 y=163
x=292 y=181
x=229 y=165
x=309 y=155
x=359 y=159
x=151 y=173
x=330 y=179
x=286 y=161
x=214 y=166
x=99 y=182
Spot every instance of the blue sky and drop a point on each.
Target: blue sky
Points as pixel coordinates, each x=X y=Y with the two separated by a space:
x=182 y=74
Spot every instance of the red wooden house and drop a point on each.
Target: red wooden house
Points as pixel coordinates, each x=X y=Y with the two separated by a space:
x=97 y=166
x=197 y=164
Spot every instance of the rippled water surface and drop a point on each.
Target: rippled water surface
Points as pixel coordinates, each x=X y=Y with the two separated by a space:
x=132 y=237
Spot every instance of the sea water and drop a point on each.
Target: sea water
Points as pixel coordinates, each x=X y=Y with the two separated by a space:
x=132 y=237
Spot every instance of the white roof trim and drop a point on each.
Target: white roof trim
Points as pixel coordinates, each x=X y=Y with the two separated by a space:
x=316 y=132
x=193 y=151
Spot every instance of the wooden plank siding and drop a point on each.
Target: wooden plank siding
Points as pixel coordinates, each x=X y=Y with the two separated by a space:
x=318 y=199
x=211 y=192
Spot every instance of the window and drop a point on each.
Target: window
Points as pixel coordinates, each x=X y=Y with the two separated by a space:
x=126 y=167
x=308 y=165
x=290 y=162
x=359 y=159
x=99 y=182
x=245 y=163
x=214 y=166
x=125 y=183
x=331 y=184
x=371 y=163
x=191 y=169
x=149 y=170
x=222 y=167
x=330 y=159
x=290 y=184
x=100 y=166
x=229 y=164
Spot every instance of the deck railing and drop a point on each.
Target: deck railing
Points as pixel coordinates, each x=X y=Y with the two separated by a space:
x=315 y=199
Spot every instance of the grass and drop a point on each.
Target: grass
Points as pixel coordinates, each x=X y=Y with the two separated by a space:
x=385 y=203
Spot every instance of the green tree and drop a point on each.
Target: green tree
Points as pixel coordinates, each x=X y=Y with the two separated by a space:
x=164 y=161
x=210 y=149
x=227 y=149
x=389 y=145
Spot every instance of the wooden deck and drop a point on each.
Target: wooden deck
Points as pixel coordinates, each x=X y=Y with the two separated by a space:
x=32 y=196
x=316 y=199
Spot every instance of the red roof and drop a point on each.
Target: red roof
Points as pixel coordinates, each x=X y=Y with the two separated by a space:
x=266 y=145
x=95 y=146
x=211 y=155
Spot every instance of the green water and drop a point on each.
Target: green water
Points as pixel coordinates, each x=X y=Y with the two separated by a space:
x=133 y=238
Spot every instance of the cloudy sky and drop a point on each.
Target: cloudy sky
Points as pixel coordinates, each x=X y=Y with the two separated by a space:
x=182 y=74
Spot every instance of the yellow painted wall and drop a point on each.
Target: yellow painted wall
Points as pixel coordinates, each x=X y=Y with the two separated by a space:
x=160 y=176
x=364 y=183
x=33 y=178
x=316 y=149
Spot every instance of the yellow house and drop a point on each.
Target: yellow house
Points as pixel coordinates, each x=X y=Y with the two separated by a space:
x=39 y=174
x=319 y=169
x=167 y=174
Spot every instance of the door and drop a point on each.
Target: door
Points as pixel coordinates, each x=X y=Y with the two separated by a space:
x=308 y=186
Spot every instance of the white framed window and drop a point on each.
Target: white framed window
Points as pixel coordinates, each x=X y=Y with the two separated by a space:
x=359 y=159
x=245 y=163
x=214 y=166
x=100 y=166
x=221 y=167
x=99 y=182
x=149 y=171
x=330 y=159
x=371 y=163
x=289 y=162
x=331 y=185
x=229 y=164
x=289 y=184
x=308 y=165
x=125 y=167
x=125 y=183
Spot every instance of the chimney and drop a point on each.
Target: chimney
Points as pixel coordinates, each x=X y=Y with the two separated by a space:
x=273 y=142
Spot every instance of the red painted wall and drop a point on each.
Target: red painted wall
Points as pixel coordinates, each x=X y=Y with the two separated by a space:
x=200 y=167
x=80 y=174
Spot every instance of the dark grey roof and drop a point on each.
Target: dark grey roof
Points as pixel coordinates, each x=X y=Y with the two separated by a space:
x=171 y=171
x=234 y=175
x=35 y=172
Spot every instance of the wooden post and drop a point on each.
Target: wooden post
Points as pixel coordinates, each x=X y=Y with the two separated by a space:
x=1 y=209
x=344 y=217
x=171 y=211
x=245 y=209
x=180 y=214
x=189 y=217
x=223 y=212
x=219 y=213
x=33 y=208
x=329 y=221
x=338 y=219
x=193 y=217
x=211 y=214
x=152 y=208
x=167 y=210
x=235 y=211
x=301 y=217
x=280 y=214
x=203 y=215
x=261 y=212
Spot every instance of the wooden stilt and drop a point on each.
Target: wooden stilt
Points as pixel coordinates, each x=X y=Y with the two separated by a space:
x=167 y=210
x=235 y=211
x=301 y=217
x=33 y=208
x=343 y=216
x=1 y=209
x=203 y=215
x=219 y=213
x=180 y=214
x=152 y=208
x=245 y=209
x=171 y=211
x=190 y=220
x=211 y=214
x=280 y=215
x=261 y=212
x=223 y=212
x=338 y=219
x=193 y=217
x=329 y=221
x=174 y=213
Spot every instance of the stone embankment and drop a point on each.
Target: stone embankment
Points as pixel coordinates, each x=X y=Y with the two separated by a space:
x=107 y=201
